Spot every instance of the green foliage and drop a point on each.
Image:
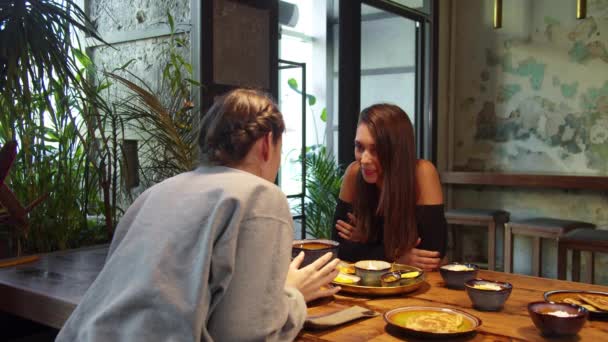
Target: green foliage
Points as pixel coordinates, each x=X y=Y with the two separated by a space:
x=323 y=180
x=162 y=118
x=57 y=118
x=35 y=37
x=52 y=160
x=293 y=84
x=68 y=130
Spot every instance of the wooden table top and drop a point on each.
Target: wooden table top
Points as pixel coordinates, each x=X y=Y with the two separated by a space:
x=47 y=290
x=511 y=324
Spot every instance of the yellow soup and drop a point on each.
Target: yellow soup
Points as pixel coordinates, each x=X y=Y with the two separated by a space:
x=432 y=321
x=390 y=278
x=313 y=246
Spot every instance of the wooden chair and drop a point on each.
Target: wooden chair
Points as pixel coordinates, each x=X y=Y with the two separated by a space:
x=486 y=218
x=580 y=240
x=7 y=157
x=538 y=228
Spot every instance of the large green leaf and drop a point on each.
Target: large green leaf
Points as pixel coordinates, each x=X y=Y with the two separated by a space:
x=83 y=58
x=293 y=84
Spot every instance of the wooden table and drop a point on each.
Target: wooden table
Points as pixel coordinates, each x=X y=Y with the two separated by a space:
x=510 y=324
x=47 y=291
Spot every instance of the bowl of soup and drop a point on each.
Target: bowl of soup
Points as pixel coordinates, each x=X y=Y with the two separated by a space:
x=370 y=271
x=399 y=278
x=314 y=249
x=456 y=274
x=557 y=319
x=390 y=279
x=488 y=295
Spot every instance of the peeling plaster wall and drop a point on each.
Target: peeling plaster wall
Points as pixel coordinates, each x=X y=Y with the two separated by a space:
x=534 y=90
x=146 y=58
x=532 y=97
x=119 y=16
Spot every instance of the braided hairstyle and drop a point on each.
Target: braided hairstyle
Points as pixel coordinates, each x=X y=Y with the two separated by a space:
x=234 y=123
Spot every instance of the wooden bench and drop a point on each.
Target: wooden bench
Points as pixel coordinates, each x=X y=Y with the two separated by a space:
x=528 y=180
x=487 y=218
x=538 y=228
x=580 y=240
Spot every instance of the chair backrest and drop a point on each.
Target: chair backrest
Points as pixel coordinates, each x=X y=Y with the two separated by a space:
x=7 y=157
x=15 y=213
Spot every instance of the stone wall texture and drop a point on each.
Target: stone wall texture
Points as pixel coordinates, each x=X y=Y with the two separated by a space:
x=533 y=97
x=147 y=55
x=111 y=16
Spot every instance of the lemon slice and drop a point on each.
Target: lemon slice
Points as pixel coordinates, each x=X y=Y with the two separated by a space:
x=409 y=275
x=346 y=278
x=346 y=268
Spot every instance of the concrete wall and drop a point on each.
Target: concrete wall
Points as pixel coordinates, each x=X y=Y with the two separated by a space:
x=138 y=32
x=529 y=97
x=121 y=21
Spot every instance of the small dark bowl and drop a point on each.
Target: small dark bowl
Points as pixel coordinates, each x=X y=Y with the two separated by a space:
x=390 y=279
x=370 y=271
x=411 y=280
x=551 y=325
x=314 y=249
x=488 y=300
x=456 y=279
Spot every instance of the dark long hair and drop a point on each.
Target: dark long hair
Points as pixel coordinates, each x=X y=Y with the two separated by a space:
x=393 y=133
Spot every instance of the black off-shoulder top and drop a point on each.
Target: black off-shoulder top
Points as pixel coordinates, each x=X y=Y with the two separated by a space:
x=432 y=230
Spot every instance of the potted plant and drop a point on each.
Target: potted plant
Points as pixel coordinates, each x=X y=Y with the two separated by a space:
x=50 y=109
x=323 y=180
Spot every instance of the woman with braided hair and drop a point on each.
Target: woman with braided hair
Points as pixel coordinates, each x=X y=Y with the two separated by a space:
x=205 y=255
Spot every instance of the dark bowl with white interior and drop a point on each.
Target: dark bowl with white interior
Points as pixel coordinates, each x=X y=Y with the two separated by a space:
x=557 y=319
x=456 y=274
x=488 y=295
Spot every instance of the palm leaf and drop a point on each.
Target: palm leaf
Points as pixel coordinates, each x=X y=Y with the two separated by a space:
x=323 y=181
x=166 y=131
x=36 y=46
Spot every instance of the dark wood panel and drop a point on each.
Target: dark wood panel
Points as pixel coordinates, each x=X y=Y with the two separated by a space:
x=559 y=181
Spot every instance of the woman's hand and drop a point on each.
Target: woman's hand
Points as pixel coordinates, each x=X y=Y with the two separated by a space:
x=309 y=279
x=349 y=231
x=421 y=258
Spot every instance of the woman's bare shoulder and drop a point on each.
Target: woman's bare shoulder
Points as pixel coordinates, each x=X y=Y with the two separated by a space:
x=349 y=182
x=425 y=168
x=428 y=183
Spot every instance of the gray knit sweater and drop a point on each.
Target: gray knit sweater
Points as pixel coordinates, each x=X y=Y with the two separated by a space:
x=201 y=256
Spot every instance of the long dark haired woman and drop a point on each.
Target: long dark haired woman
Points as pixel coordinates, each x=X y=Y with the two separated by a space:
x=391 y=204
